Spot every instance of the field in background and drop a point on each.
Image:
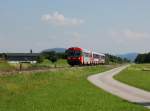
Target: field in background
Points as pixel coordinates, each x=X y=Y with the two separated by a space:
x=47 y=63
x=137 y=75
x=6 y=67
x=59 y=90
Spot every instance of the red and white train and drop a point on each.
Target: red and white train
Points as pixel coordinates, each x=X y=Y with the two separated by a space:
x=79 y=56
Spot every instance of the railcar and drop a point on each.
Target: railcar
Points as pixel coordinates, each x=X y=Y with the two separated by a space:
x=79 y=56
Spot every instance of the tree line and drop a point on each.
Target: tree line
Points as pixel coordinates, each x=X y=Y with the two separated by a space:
x=52 y=56
x=115 y=59
x=143 y=58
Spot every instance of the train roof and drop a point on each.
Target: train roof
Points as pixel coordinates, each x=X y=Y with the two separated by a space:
x=85 y=50
x=99 y=53
x=75 y=48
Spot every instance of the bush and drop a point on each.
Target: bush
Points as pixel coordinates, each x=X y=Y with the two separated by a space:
x=40 y=59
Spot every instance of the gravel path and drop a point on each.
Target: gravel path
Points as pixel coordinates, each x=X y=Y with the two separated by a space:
x=106 y=81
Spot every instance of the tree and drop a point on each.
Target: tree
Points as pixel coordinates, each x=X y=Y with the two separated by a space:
x=40 y=59
x=53 y=57
x=115 y=59
x=143 y=58
x=147 y=58
x=62 y=55
x=106 y=59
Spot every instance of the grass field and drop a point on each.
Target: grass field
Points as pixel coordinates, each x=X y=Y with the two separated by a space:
x=47 y=63
x=136 y=75
x=4 y=66
x=61 y=90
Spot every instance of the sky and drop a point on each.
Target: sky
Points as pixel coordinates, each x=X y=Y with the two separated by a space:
x=108 y=26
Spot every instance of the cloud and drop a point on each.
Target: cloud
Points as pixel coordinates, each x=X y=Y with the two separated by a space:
x=57 y=18
x=130 y=34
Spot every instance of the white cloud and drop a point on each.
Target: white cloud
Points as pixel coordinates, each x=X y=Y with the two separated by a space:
x=130 y=34
x=59 y=19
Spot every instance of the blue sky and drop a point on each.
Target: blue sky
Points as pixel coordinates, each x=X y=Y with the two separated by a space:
x=112 y=26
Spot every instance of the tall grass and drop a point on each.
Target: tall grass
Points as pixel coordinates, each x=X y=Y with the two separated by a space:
x=47 y=63
x=4 y=66
x=60 y=90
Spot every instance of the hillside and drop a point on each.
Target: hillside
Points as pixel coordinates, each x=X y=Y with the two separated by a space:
x=58 y=50
x=129 y=56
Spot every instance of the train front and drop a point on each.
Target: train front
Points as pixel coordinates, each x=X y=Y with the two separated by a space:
x=74 y=56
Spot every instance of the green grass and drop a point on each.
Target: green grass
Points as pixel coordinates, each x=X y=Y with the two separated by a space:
x=62 y=63
x=47 y=63
x=60 y=90
x=136 y=75
x=4 y=66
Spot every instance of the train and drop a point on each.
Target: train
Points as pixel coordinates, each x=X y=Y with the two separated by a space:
x=80 y=56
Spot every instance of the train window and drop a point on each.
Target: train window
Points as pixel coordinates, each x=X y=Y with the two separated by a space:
x=86 y=54
x=74 y=53
x=96 y=56
x=103 y=57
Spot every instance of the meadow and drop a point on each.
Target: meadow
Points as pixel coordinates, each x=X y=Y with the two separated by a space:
x=137 y=75
x=59 y=90
x=4 y=66
x=47 y=63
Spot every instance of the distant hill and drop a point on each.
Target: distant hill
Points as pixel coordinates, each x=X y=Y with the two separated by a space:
x=58 y=50
x=129 y=56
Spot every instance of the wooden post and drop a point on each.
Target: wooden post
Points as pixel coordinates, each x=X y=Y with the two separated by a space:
x=20 y=66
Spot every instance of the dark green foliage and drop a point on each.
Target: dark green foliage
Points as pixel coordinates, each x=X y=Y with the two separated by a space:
x=59 y=55
x=52 y=56
x=107 y=59
x=3 y=56
x=111 y=58
x=40 y=59
x=62 y=55
x=143 y=58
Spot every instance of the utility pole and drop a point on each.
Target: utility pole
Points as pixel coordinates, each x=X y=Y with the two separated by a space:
x=31 y=51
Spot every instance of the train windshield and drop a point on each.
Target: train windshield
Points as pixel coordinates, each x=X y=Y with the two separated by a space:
x=74 y=53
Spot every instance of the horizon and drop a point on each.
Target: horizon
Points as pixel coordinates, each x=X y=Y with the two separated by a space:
x=118 y=54
x=115 y=27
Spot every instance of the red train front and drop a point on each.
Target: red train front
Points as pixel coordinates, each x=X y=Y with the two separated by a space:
x=75 y=56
